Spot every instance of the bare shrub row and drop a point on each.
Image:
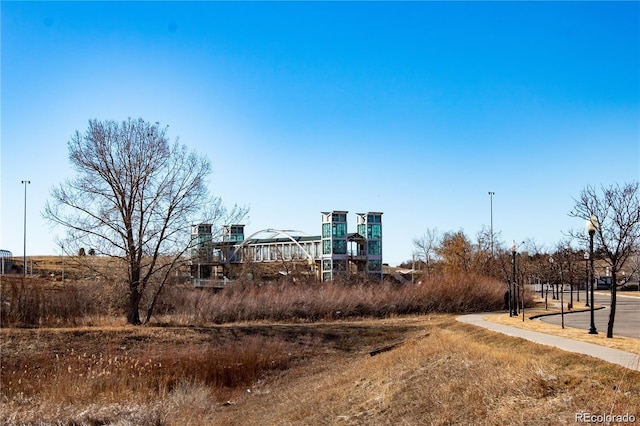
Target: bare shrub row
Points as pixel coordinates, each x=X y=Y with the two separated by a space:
x=37 y=302
x=31 y=303
x=323 y=301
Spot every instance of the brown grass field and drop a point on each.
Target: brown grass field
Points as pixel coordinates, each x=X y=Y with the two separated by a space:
x=444 y=372
x=429 y=369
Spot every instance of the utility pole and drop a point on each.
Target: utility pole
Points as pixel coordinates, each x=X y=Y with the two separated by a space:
x=491 y=194
x=24 y=257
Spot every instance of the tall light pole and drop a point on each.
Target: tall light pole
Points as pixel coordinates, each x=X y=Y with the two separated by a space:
x=586 y=267
x=24 y=257
x=62 y=246
x=592 y=225
x=491 y=194
x=514 y=297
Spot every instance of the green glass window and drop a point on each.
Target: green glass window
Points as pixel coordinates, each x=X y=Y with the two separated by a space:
x=326 y=276
x=374 y=218
x=326 y=230
x=374 y=231
x=362 y=230
x=340 y=247
x=374 y=265
x=326 y=246
x=339 y=230
x=326 y=265
x=339 y=217
x=375 y=248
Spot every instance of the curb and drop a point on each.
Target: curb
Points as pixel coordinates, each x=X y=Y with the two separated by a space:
x=566 y=313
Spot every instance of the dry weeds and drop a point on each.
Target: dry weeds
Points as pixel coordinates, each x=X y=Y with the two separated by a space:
x=442 y=372
x=293 y=355
x=456 y=375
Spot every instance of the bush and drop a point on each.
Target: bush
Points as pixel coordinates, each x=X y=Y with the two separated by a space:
x=39 y=302
x=325 y=301
x=32 y=302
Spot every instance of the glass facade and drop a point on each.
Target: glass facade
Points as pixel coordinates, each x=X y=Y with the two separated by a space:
x=339 y=217
x=326 y=246
x=375 y=247
x=233 y=233
x=374 y=265
x=374 y=231
x=340 y=247
x=326 y=230
x=374 y=218
x=340 y=265
x=339 y=230
x=326 y=265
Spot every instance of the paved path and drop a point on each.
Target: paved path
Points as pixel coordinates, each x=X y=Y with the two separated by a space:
x=627 y=321
x=614 y=356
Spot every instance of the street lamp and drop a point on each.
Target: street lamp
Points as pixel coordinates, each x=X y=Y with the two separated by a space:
x=551 y=260
x=546 y=297
x=513 y=269
x=491 y=194
x=592 y=225
x=24 y=258
x=62 y=246
x=586 y=267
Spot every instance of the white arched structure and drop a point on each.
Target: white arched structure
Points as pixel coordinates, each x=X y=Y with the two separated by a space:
x=273 y=233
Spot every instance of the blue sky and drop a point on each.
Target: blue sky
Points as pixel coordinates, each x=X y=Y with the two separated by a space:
x=414 y=109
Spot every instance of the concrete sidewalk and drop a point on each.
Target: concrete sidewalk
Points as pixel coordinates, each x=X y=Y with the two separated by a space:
x=614 y=356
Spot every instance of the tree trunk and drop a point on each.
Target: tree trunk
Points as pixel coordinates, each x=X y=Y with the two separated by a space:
x=133 y=310
x=612 y=312
x=153 y=302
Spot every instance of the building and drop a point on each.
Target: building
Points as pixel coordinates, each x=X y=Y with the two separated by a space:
x=334 y=254
x=6 y=261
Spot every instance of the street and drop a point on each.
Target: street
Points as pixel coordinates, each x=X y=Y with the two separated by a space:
x=627 y=321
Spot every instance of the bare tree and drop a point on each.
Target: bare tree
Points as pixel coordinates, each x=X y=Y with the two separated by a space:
x=485 y=259
x=134 y=198
x=616 y=211
x=425 y=246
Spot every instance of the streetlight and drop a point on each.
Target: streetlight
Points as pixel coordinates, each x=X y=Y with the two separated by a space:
x=551 y=260
x=592 y=225
x=586 y=267
x=491 y=194
x=62 y=246
x=513 y=269
x=24 y=258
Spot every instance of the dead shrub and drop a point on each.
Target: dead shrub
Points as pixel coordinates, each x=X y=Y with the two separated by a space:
x=34 y=303
x=331 y=300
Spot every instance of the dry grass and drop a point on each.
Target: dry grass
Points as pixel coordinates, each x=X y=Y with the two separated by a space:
x=45 y=303
x=617 y=342
x=74 y=266
x=327 y=301
x=444 y=373
x=453 y=375
x=293 y=355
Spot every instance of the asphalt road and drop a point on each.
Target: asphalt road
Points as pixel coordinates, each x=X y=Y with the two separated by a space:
x=627 y=320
